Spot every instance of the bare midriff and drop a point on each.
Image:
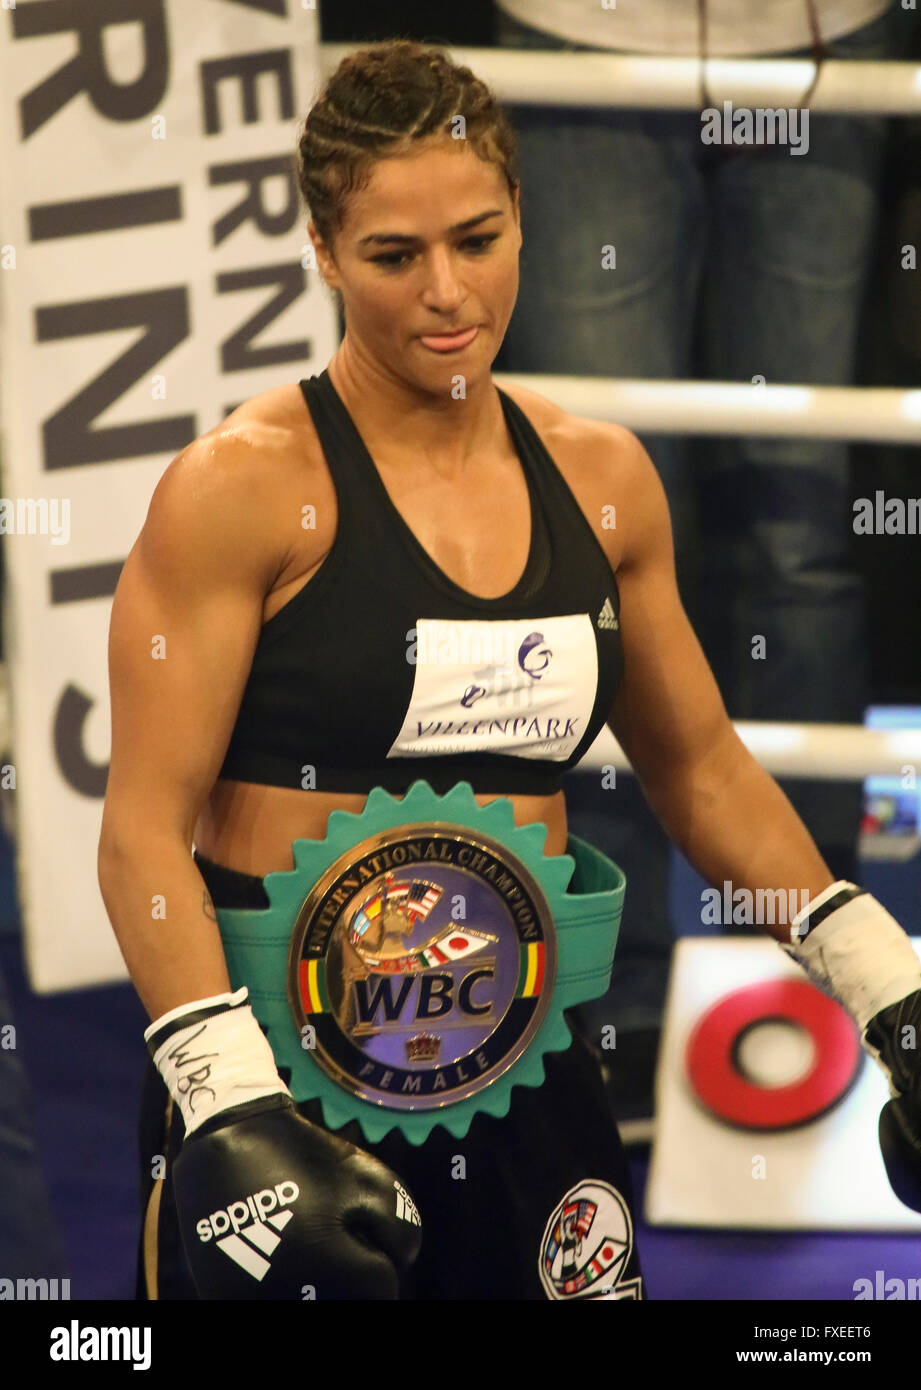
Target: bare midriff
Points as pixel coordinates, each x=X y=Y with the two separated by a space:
x=250 y=827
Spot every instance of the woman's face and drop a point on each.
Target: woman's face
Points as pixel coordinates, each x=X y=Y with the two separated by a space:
x=408 y=268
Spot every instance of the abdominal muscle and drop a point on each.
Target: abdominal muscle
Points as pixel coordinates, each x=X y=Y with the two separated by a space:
x=250 y=827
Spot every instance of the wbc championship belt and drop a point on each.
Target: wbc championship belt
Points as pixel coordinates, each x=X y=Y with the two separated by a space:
x=415 y=964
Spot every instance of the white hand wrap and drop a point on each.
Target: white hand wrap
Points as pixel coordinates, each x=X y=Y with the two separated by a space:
x=858 y=954
x=216 y=1058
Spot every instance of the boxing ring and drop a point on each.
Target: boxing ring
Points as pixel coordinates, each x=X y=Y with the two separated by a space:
x=711 y=1264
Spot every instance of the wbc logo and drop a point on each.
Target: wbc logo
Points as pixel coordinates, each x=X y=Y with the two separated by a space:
x=412 y=1006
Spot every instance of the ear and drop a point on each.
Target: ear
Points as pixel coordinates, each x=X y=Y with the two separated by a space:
x=325 y=262
x=516 y=208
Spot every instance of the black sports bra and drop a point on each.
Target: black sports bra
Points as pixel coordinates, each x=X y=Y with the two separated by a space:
x=381 y=670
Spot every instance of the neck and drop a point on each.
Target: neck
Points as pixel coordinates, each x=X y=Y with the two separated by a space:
x=400 y=422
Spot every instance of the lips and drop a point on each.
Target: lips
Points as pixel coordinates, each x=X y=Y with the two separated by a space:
x=451 y=342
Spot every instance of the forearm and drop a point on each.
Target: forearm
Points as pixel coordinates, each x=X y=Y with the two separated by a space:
x=733 y=823
x=164 y=920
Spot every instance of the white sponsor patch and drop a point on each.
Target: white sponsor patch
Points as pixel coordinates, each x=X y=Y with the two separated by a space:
x=523 y=687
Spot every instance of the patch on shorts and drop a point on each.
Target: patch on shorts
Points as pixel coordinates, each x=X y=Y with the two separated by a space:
x=587 y=1244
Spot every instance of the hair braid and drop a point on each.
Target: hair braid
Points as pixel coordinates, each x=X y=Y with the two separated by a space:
x=380 y=100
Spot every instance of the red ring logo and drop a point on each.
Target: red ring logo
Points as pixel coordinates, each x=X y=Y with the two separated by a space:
x=711 y=1056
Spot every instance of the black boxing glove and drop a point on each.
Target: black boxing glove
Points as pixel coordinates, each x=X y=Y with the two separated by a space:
x=855 y=951
x=893 y=1038
x=269 y=1205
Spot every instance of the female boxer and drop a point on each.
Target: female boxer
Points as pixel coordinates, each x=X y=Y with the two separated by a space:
x=266 y=669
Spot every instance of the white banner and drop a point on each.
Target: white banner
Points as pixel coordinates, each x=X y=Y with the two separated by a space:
x=153 y=277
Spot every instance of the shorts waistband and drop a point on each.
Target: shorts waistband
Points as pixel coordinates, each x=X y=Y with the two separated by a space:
x=230 y=887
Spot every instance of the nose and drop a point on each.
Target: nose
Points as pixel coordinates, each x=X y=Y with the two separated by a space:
x=443 y=290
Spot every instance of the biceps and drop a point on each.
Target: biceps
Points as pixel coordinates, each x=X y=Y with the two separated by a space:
x=668 y=713
x=176 y=674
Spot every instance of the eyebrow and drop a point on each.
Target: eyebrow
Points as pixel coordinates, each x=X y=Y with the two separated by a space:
x=378 y=237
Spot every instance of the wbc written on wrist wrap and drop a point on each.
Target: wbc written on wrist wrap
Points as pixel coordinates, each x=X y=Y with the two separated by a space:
x=854 y=950
x=212 y=1054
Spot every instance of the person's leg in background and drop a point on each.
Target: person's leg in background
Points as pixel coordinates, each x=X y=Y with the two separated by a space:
x=30 y=1246
x=792 y=240
x=590 y=179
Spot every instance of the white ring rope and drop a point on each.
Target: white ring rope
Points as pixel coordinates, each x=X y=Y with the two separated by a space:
x=885 y=414
x=534 y=77
x=829 y=752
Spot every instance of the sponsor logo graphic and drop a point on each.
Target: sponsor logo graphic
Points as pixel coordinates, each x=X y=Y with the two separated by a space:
x=242 y=1232
x=533 y=655
x=415 y=1007
x=406 y=1207
x=587 y=1244
x=607 y=618
x=501 y=686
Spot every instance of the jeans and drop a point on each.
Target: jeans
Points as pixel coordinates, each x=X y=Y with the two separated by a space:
x=729 y=264
x=29 y=1241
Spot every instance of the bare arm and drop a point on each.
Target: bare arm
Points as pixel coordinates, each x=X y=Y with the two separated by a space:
x=723 y=811
x=185 y=622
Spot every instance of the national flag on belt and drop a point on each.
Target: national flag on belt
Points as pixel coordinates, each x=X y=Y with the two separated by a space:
x=393 y=965
x=531 y=970
x=415 y=899
x=451 y=946
x=422 y=898
x=454 y=944
x=313 y=987
x=364 y=917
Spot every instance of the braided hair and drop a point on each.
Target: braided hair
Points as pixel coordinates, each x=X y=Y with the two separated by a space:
x=378 y=102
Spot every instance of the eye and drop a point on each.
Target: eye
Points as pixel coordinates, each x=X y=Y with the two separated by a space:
x=391 y=259
x=481 y=241
x=394 y=260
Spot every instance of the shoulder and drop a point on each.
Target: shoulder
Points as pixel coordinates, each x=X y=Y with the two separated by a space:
x=251 y=451
x=603 y=463
x=597 y=445
x=237 y=482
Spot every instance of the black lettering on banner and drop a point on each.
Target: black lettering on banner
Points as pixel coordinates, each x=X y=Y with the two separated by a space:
x=71 y=718
x=236 y=354
x=252 y=208
x=84 y=216
x=156 y=322
x=116 y=101
x=275 y=7
x=164 y=316
x=247 y=66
